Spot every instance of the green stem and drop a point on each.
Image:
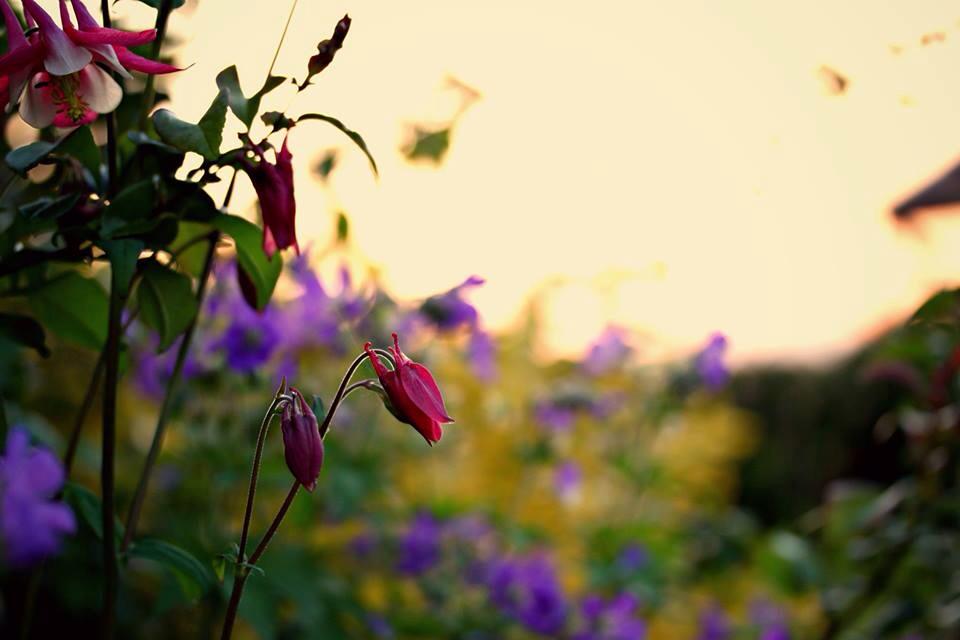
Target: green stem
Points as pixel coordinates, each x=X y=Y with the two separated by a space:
x=150 y=91
x=272 y=530
x=81 y=417
x=136 y=506
x=112 y=363
x=342 y=390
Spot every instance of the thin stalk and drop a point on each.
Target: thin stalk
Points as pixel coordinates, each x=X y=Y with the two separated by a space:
x=283 y=37
x=4 y=426
x=272 y=530
x=342 y=391
x=81 y=417
x=136 y=506
x=112 y=363
x=150 y=91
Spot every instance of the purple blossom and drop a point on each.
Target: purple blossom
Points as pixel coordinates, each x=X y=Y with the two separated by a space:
x=714 y=625
x=449 y=311
x=527 y=590
x=481 y=352
x=554 y=416
x=31 y=524
x=566 y=479
x=420 y=546
x=710 y=364
x=153 y=369
x=379 y=627
x=614 y=620
x=770 y=620
x=632 y=557
x=608 y=352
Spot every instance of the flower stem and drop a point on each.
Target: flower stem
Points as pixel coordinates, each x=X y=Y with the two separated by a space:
x=272 y=530
x=112 y=363
x=136 y=506
x=81 y=417
x=342 y=391
x=150 y=90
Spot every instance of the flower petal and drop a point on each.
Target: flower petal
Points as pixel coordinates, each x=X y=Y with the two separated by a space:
x=91 y=33
x=144 y=65
x=99 y=90
x=422 y=389
x=15 y=37
x=19 y=59
x=63 y=57
x=37 y=108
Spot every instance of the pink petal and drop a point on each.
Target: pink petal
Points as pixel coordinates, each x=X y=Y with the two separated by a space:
x=422 y=389
x=106 y=54
x=63 y=57
x=15 y=37
x=20 y=59
x=91 y=33
x=138 y=63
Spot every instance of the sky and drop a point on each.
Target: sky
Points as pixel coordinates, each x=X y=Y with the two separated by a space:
x=673 y=167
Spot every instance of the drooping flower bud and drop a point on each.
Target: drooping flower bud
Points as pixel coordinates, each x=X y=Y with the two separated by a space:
x=302 y=445
x=273 y=182
x=412 y=395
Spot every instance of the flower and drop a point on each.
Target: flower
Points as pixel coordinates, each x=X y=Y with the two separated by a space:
x=411 y=393
x=482 y=353
x=449 y=311
x=714 y=625
x=302 y=445
x=65 y=86
x=608 y=352
x=613 y=620
x=709 y=362
x=31 y=524
x=527 y=589
x=420 y=546
x=273 y=183
x=566 y=479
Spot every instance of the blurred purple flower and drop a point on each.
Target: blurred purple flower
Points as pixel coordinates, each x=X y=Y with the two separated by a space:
x=379 y=627
x=420 y=546
x=566 y=479
x=362 y=544
x=31 y=524
x=770 y=620
x=609 y=351
x=632 y=557
x=527 y=590
x=613 y=620
x=714 y=625
x=710 y=364
x=554 y=416
x=449 y=311
x=152 y=370
x=482 y=352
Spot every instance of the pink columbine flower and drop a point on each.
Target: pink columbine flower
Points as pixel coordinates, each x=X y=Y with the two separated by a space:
x=412 y=395
x=56 y=70
x=273 y=183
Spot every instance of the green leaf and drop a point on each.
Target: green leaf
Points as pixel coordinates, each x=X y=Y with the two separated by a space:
x=176 y=4
x=131 y=212
x=343 y=227
x=167 y=303
x=432 y=145
x=203 y=138
x=88 y=506
x=24 y=330
x=244 y=108
x=49 y=208
x=350 y=133
x=24 y=158
x=192 y=258
x=262 y=271
x=123 y=255
x=82 y=146
x=74 y=308
x=194 y=577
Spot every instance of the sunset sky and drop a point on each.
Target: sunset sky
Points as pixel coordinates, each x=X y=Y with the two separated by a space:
x=674 y=167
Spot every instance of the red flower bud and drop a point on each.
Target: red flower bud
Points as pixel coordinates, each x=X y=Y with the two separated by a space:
x=302 y=445
x=273 y=183
x=412 y=394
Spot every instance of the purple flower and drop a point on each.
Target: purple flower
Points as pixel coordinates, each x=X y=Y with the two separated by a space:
x=250 y=338
x=449 y=311
x=554 y=416
x=481 y=351
x=527 y=590
x=379 y=627
x=710 y=364
x=420 y=546
x=153 y=369
x=566 y=479
x=608 y=352
x=714 y=625
x=770 y=620
x=31 y=524
x=613 y=620
x=632 y=557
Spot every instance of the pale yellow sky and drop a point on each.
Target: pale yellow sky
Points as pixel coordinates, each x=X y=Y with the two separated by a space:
x=679 y=165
